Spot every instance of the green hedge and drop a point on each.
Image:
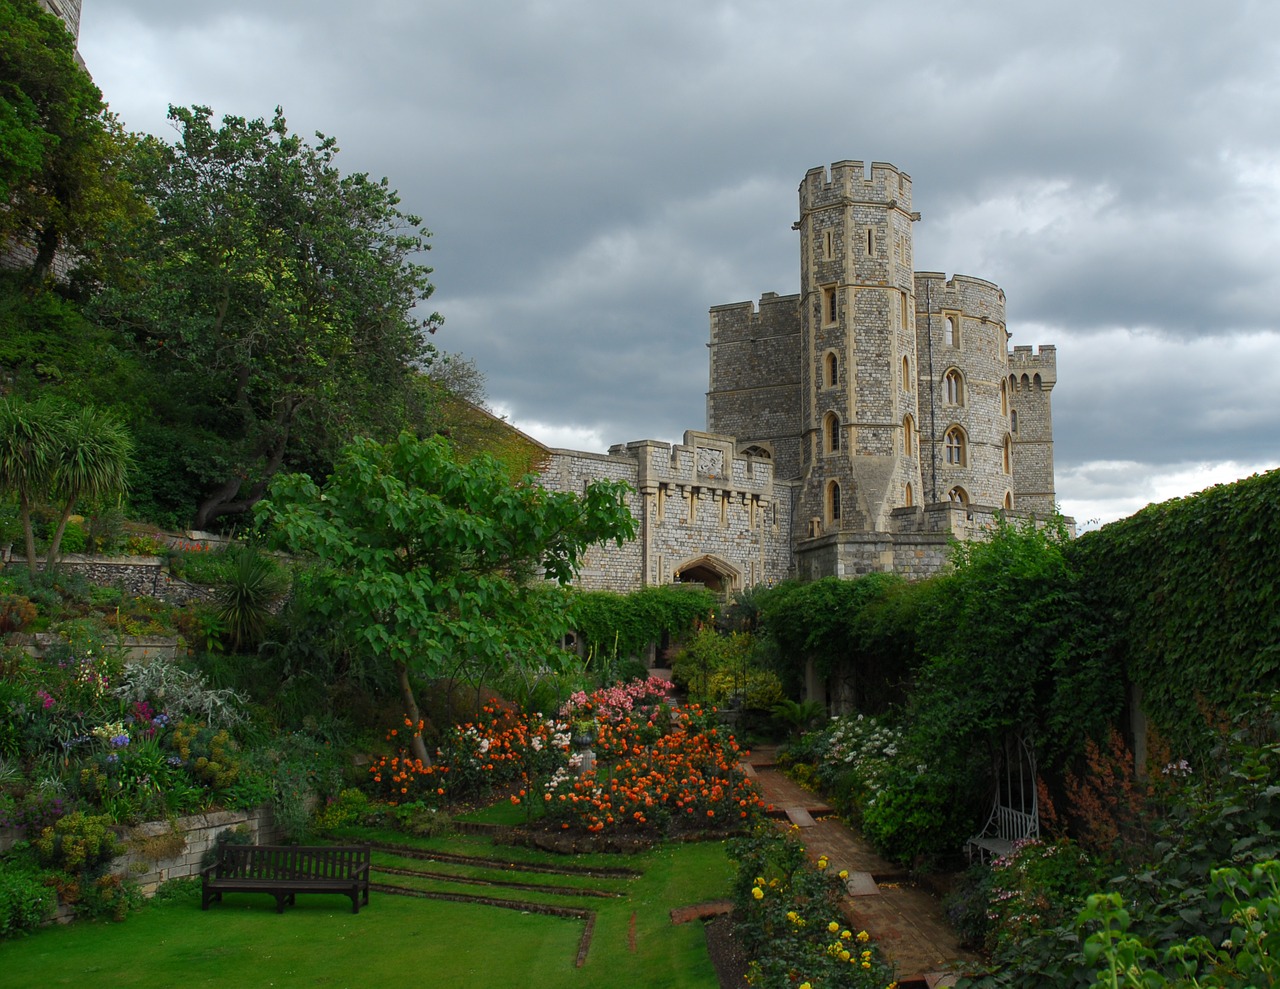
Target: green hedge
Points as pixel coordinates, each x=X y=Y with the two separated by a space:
x=1189 y=590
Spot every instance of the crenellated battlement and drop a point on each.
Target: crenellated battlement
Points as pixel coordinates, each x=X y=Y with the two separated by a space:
x=743 y=321
x=848 y=182
x=973 y=297
x=1042 y=361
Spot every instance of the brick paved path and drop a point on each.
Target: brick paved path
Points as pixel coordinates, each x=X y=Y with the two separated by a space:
x=906 y=921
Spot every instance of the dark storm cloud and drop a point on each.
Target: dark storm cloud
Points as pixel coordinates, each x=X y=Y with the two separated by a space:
x=598 y=175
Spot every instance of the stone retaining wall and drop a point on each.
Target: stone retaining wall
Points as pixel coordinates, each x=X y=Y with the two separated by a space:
x=200 y=833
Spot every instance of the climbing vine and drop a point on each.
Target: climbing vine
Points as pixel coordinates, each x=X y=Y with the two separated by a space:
x=625 y=624
x=1189 y=589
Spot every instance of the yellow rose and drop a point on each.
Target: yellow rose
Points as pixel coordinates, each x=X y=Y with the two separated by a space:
x=757 y=892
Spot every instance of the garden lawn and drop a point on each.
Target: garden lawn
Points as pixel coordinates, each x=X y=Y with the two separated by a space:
x=319 y=942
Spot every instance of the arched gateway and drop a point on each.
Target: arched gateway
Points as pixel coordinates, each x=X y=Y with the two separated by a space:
x=712 y=572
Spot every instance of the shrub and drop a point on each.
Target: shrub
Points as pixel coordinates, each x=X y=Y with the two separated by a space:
x=16 y=613
x=77 y=842
x=26 y=900
x=210 y=755
x=179 y=692
x=790 y=921
x=74 y=539
x=350 y=807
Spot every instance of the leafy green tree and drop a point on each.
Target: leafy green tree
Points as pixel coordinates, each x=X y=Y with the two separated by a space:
x=28 y=439
x=60 y=149
x=424 y=561
x=279 y=297
x=92 y=456
x=54 y=454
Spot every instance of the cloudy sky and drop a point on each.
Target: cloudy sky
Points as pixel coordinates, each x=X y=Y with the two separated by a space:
x=597 y=175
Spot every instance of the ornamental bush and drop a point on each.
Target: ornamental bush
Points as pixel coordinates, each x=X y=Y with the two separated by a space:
x=788 y=916
x=78 y=842
x=26 y=900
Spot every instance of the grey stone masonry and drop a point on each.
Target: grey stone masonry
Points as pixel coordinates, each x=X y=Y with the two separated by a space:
x=883 y=405
x=704 y=513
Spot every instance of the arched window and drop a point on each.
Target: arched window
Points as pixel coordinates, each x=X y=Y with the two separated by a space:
x=908 y=436
x=902 y=308
x=951 y=332
x=906 y=374
x=908 y=498
x=958 y=496
x=830 y=305
x=1004 y=398
x=1006 y=461
x=831 y=432
x=833 y=502
x=1013 y=420
x=1008 y=501
x=833 y=370
x=954 y=444
x=953 y=387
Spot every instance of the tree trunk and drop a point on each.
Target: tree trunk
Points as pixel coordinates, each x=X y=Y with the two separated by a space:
x=416 y=745
x=46 y=251
x=28 y=533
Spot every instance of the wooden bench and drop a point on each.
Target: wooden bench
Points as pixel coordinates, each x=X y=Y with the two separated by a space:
x=286 y=870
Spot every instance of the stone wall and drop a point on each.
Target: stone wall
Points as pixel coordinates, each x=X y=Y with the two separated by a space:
x=754 y=392
x=200 y=833
x=137 y=575
x=703 y=513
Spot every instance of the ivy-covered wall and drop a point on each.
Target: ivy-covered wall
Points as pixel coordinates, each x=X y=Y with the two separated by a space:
x=1190 y=590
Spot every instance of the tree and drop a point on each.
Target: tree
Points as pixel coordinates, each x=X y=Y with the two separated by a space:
x=280 y=297
x=91 y=459
x=425 y=561
x=60 y=148
x=28 y=437
x=54 y=454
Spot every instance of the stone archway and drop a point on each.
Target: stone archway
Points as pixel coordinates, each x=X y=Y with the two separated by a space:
x=712 y=572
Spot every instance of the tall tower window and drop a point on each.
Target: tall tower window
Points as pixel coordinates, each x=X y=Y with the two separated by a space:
x=906 y=374
x=1013 y=420
x=828 y=244
x=954 y=445
x=871 y=242
x=908 y=496
x=833 y=502
x=832 y=370
x=902 y=310
x=953 y=387
x=951 y=332
x=1007 y=458
x=908 y=436
x=829 y=305
x=1008 y=501
x=831 y=433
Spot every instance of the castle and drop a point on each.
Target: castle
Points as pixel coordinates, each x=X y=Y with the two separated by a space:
x=860 y=425
x=857 y=426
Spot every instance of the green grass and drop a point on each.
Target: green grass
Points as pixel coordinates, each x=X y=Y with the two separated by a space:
x=319 y=942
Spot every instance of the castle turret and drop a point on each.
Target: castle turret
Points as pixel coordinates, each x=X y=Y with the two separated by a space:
x=1031 y=379
x=858 y=349
x=966 y=441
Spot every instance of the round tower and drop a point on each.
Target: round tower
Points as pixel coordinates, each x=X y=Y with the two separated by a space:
x=966 y=436
x=859 y=366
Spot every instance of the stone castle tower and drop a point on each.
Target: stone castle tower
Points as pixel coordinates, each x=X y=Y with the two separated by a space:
x=889 y=396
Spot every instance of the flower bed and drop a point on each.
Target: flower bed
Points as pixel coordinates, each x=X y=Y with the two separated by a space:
x=659 y=770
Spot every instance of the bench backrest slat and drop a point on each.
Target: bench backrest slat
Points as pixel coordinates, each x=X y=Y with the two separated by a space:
x=291 y=861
